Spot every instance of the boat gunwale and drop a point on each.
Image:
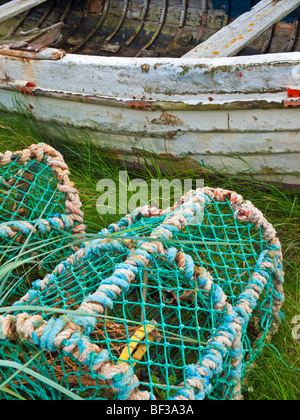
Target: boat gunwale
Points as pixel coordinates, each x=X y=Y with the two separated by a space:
x=159 y=83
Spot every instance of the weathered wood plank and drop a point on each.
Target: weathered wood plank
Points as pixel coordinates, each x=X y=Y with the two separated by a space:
x=16 y=7
x=230 y=40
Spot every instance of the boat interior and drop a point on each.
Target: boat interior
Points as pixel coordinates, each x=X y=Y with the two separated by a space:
x=138 y=28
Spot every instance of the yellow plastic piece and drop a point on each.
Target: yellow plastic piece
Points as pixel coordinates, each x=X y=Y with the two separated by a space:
x=137 y=347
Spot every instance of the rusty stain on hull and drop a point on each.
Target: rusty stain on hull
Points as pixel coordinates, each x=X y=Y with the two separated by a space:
x=96 y=6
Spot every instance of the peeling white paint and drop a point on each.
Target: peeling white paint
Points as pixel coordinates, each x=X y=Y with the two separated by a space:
x=2 y=69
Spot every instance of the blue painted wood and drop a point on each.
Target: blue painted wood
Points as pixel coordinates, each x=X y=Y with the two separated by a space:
x=235 y=8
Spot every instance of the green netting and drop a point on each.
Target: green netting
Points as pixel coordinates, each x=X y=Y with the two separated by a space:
x=172 y=304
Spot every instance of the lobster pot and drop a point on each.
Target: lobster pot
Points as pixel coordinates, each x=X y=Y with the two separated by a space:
x=148 y=79
x=39 y=214
x=171 y=305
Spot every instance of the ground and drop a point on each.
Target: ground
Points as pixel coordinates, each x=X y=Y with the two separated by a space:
x=275 y=376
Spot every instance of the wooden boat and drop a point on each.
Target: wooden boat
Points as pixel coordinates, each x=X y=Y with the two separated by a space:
x=216 y=81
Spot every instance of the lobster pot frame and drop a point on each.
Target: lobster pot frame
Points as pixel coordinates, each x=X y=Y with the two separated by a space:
x=37 y=202
x=172 y=304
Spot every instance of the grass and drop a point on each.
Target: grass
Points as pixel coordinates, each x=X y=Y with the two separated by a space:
x=273 y=378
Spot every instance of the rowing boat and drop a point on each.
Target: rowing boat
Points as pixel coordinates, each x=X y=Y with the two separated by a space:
x=215 y=82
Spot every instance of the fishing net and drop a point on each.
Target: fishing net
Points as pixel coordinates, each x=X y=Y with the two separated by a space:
x=171 y=304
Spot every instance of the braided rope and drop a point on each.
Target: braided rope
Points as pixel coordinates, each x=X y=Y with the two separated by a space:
x=69 y=331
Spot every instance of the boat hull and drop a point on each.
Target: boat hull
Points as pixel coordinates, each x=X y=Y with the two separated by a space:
x=230 y=114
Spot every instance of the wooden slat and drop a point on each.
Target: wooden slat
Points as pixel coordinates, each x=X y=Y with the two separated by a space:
x=16 y=7
x=230 y=40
